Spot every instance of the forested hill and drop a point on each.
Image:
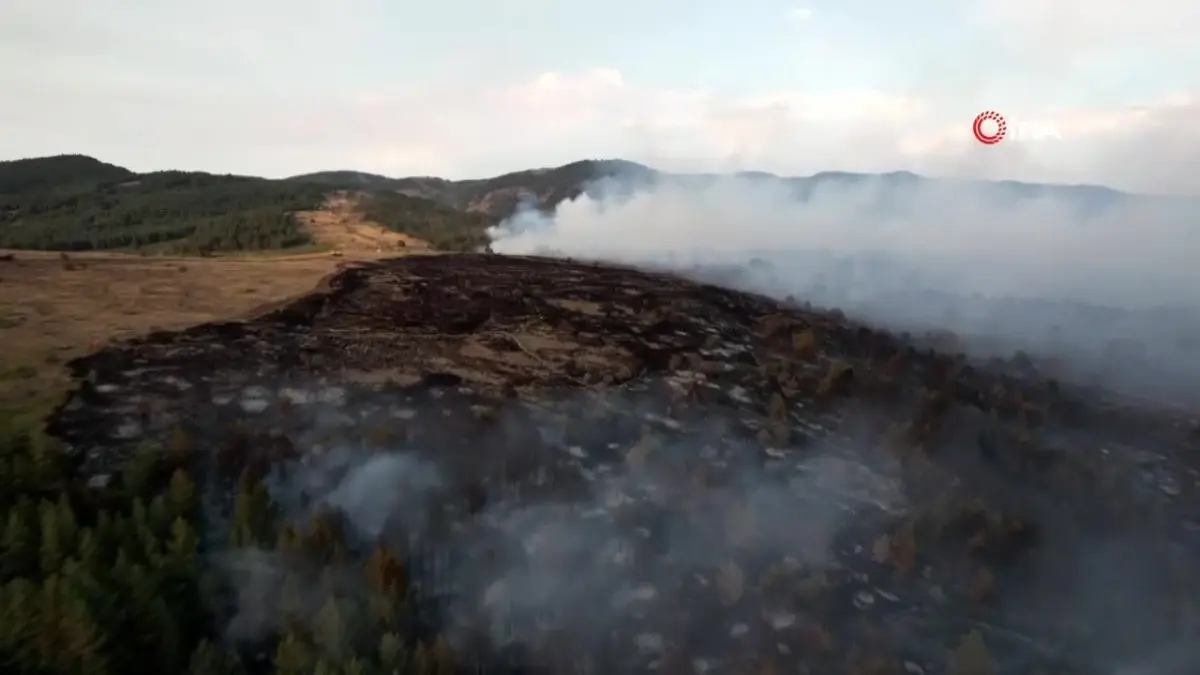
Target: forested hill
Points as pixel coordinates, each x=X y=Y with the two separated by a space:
x=73 y=202
x=64 y=173
x=77 y=203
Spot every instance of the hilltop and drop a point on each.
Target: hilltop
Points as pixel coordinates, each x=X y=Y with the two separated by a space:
x=78 y=203
x=479 y=446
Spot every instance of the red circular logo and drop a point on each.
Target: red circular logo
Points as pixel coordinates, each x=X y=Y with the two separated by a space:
x=984 y=138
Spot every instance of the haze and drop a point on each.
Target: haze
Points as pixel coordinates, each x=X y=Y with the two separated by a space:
x=1066 y=275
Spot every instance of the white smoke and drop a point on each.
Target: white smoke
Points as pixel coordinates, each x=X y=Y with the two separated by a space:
x=1074 y=273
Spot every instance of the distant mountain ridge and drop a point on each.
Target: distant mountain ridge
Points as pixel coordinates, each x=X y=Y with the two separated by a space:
x=499 y=196
x=76 y=202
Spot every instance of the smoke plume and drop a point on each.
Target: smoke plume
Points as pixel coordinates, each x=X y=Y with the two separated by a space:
x=1103 y=282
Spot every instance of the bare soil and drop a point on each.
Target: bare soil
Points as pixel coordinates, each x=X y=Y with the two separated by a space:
x=342 y=227
x=53 y=310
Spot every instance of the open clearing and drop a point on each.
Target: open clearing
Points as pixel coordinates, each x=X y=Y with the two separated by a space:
x=340 y=226
x=53 y=310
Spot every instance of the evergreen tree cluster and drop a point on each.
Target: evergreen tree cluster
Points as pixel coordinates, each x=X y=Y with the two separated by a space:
x=118 y=579
x=444 y=227
x=77 y=203
x=179 y=212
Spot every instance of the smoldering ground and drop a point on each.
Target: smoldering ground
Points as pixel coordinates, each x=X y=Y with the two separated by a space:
x=617 y=546
x=1100 y=288
x=1104 y=284
x=593 y=546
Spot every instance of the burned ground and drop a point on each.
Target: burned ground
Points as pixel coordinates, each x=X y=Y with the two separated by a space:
x=625 y=471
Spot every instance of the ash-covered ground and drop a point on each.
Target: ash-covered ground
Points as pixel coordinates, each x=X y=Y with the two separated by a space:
x=596 y=469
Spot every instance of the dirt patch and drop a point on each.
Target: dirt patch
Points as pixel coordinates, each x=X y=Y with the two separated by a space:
x=581 y=306
x=341 y=226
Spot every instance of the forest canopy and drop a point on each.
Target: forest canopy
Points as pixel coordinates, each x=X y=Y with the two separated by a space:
x=76 y=203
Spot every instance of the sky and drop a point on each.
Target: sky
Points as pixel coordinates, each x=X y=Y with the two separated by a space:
x=466 y=88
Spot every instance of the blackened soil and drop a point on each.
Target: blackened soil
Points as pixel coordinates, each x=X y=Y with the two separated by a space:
x=725 y=481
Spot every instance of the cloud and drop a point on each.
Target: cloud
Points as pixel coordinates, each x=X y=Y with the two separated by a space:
x=560 y=117
x=150 y=87
x=800 y=14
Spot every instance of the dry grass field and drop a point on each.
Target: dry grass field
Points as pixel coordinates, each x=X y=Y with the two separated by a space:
x=53 y=310
x=341 y=226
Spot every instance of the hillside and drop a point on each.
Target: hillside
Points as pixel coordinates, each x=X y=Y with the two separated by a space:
x=79 y=204
x=430 y=465
x=498 y=197
x=76 y=203
x=65 y=172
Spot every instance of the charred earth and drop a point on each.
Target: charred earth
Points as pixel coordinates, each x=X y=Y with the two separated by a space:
x=596 y=469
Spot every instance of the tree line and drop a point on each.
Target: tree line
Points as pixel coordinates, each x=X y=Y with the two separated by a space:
x=194 y=212
x=118 y=577
x=444 y=227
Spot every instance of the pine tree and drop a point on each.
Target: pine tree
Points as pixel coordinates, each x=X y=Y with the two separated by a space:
x=443 y=656
x=140 y=536
x=19 y=545
x=168 y=643
x=139 y=470
x=324 y=667
x=209 y=659
x=971 y=657
x=293 y=656
x=82 y=639
x=392 y=656
x=181 y=494
x=253 y=515
x=240 y=536
x=264 y=513
x=391 y=652
x=386 y=577
x=108 y=535
x=47 y=637
x=68 y=526
x=326 y=539
x=422 y=661
x=88 y=549
x=329 y=629
x=19 y=621
x=159 y=516
x=52 y=552
x=179 y=450
x=291 y=602
x=289 y=540
x=385 y=571
x=46 y=462
x=183 y=543
x=21 y=474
